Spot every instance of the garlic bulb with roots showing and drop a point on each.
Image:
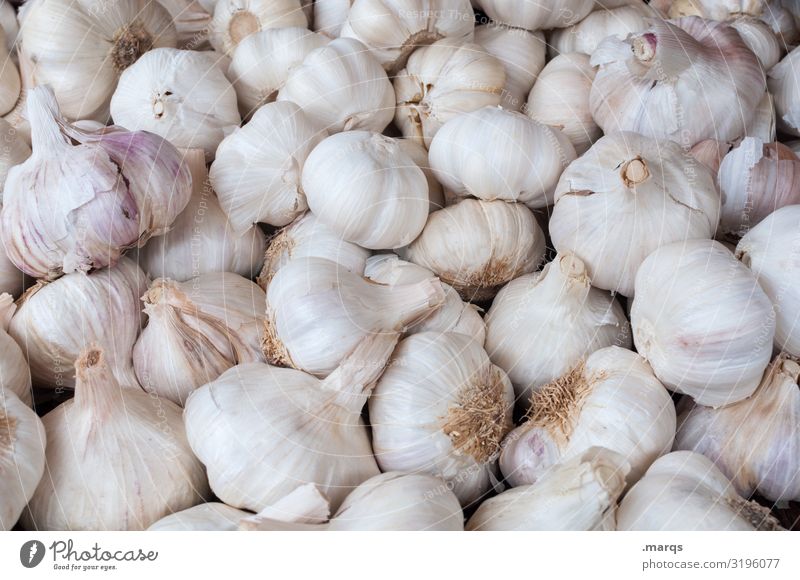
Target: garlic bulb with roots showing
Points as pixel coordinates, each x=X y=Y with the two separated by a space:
x=196 y=331
x=477 y=246
x=649 y=83
x=117 y=458
x=772 y=251
x=537 y=14
x=609 y=399
x=257 y=170
x=585 y=36
x=540 y=324
x=263 y=431
x=702 y=322
x=493 y=154
x=22 y=447
x=684 y=491
x=318 y=312
x=82 y=199
x=627 y=196
x=330 y=16
x=366 y=189
x=235 y=20
x=753 y=442
x=15 y=151
x=784 y=84
x=442 y=408
x=15 y=376
x=579 y=494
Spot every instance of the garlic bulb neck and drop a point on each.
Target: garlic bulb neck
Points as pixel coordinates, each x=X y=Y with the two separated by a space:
x=96 y=389
x=634 y=172
x=566 y=274
x=129 y=43
x=44 y=117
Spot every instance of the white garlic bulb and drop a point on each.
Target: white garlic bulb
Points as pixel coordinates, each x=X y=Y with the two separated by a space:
x=441 y=81
x=182 y=95
x=585 y=36
x=713 y=9
x=117 y=458
x=257 y=170
x=493 y=154
x=53 y=323
x=15 y=151
x=330 y=16
x=541 y=324
x=15 y=376
x=365 y=188
x=784 y=84
x=235 y=20
x=12 y=281
x=9 y=24
x=342 y=87
x=649 y=82
x=192 y=21
x=684 y=491
x=770 y=250
x=22 y=445
x=537 y=14
x=761 y=40
x=80 y=50
x=702 y=322
x=419 y=155
x=477 y=246
x=318 y=312
x=579 y=494
x=10 y=83
x=627 y=196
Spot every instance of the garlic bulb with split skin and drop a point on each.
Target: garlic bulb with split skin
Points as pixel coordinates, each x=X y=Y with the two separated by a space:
x=10 y=83
x=330 y=16
x=684 y=491
x=235 y=20
x=496 y=242
x=541 y=324
x=15 y=376
x=537 y=14
x=318 y=312
x=15 y=150
x=784 y=83
x=192 y=21
x=586 y=35
x=702 y=322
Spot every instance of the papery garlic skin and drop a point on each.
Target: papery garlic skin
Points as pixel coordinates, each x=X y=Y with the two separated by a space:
x=235 y=20
x=710 y=153
x=192 y=21
x=10 y=83
x=684 y=491
x=772 y=251
x=330 y=16
x=15 y=376
x=535 y=14
x=494 y=154
x=9 y=24
x=702 y=322
x=419 y=155
x=477 y=246
x=12 y=281
x=625 y=197
x=541 y=324
x=579 y=494
x=585 y=36
x=257 y=170
x=117 y=458
x=783 y=82
x=15 y=151
x=761 y=40
x=762 y=125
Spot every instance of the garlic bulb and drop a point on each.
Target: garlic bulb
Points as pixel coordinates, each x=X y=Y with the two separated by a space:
x=182 y=95
x=10 y=83
x=235 y=20
x=454 y=315
x=80 y=50
x=192 y=21
x=783 y=18
x=393 y=30
x=442 y=408
x=307 y=237
x=318 y=312
x=684 y=491
x=15 y=376
x=627 y=196
x=585 y=36
x=710 y=153
x=541 y=324
x=560 y=98
x=579 y=494
x=649 y=82
x=442 y=81
x=257 y=170
x=762 y=125
x=713 y=9
x=9 y=24
x=493 y=154
x=702 y=322
x=202 y=239
x=12 y=281
x=366 y=189
x=522 y=54
x=53 y=324
x=15 y=151
x=77 y=207
x=342 y=87
x=535 y=14
x=761 y=39
x=784 y=84
x=22 y=445
x=330 y=16
x=770 y=250
x=477 y=246
x=609 y=399
x=262 y=431
x=262 y=62
x=419 y=155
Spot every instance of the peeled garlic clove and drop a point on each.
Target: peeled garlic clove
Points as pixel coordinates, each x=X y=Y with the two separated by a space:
x=341 y=87
x=761 y=40
x=235 y=20
x=318 y=312
x=330 y=16
x=257 y=170
x=493 y=154
x=10 y=84
x=541 y=324
x=764 y=250
x=442 y=81
x=579 y=494
x=419 y=155
x=627 y=196
x=684 y=491
x=15 y=376
x=702 y=322
x=117 y=459
x=537 y=15
x=53 y=323
x=15 y=151
x=784 y=84
x=585 y=36
x=366 y=189
x=496 y=241
x=192 y=21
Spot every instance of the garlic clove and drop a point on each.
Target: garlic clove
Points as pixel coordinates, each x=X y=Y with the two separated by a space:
x=537 y=15
x=761 y=39
x=235 y=20
x=330 y=16
x=585 y=36
x=15 y=376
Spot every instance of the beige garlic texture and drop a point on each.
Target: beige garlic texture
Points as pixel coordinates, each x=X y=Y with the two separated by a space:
x=235 y=20
x=15 y=376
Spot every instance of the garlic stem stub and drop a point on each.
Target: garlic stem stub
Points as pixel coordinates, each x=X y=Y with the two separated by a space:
x=15 y=376
x=235 y=20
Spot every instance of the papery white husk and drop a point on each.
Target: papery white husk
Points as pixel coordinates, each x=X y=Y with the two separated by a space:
x=10 y=83
x=192 y=21
x=15 y=376
x=762 y=125
x=585 y=36
x=419 y=155
x=330 y=16
x=15 y=151
x=235 y=20
x=12 y=281
x=761 y=40
x=784 y=84
x=9 y=24
x=535 y=14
